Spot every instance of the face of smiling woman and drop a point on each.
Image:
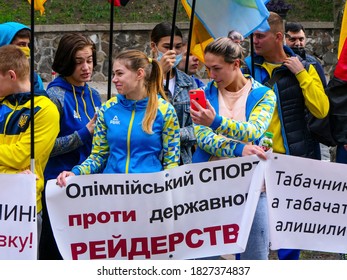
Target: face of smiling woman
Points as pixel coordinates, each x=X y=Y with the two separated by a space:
x=127 y=82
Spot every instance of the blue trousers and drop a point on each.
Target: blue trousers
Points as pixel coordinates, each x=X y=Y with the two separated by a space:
x=288 y=254
x=341 y=154
x=258 y=241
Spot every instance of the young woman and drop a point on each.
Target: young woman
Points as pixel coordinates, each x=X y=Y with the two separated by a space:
x=179 y=84
x=136 y=127
x=77 y=103
x=238 y=112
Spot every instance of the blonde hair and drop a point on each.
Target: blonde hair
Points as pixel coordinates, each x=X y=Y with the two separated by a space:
x=235 y=36
x=134 y=60
x=13 y=58
x=227 y=48
x=276 y=23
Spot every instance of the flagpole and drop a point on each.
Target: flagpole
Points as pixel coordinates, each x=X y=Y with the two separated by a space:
x=252 y=55
x=190 y=36
x=32 y=111
x=109 y=77
x=171 y=42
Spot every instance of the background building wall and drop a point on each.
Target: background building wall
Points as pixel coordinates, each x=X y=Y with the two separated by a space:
x=320 y=43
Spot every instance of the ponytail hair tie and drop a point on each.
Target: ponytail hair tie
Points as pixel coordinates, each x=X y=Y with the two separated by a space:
x=150 y=60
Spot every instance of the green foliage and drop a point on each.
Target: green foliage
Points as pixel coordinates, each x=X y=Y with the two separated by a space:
x=98 y=11
x=311 y=10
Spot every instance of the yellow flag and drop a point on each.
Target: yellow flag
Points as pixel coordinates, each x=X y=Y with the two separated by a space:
x=200 y=37
x=38 y=5
x=343 y=32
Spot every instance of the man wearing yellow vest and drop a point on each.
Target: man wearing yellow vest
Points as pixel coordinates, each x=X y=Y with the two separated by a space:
x=299 y=91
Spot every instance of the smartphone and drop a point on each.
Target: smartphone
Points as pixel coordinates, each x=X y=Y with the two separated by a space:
x=199 y=96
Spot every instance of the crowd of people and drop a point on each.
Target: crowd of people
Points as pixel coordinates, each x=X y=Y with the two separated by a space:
x=150 y=119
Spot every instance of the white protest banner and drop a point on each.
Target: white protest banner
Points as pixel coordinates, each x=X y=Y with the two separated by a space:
x=18 y=228
x=307 y=202
x=187 y=212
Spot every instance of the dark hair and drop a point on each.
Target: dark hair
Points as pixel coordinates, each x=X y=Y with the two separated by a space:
x=163 y=29
x=294 y=27
x=64 y=61
x=23 y=33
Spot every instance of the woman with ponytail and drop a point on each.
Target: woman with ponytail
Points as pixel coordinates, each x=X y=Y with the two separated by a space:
x=238 y=113
x=137 y=131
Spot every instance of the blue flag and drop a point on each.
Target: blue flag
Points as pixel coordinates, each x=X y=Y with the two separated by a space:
x=244 y=16
x=215 y=19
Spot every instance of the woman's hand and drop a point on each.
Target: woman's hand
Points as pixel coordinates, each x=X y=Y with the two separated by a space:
x=254 y=150
x=61 y=179
x=91 y=124
x=202 y=116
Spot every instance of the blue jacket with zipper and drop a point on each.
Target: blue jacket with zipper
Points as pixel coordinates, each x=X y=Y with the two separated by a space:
x=77 y=106
x=121 y=146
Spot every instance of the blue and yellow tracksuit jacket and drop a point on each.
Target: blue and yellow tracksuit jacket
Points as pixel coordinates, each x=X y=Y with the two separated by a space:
x=226 y=137
x=121 y=146
x=15 y=135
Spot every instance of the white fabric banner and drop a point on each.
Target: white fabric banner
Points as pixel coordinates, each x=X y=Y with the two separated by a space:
x=307 y=202
x=18 y=229
x=191 y=211
x=200 y=209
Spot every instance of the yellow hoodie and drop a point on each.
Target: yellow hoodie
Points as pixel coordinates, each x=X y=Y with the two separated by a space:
x=15 y=135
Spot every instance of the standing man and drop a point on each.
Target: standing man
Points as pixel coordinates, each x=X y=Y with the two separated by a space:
x=296 y=39
x=299 y=90
x=15 y=121
x=14 y=33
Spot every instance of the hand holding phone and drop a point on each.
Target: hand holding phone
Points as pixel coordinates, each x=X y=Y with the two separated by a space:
x=199 y=96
